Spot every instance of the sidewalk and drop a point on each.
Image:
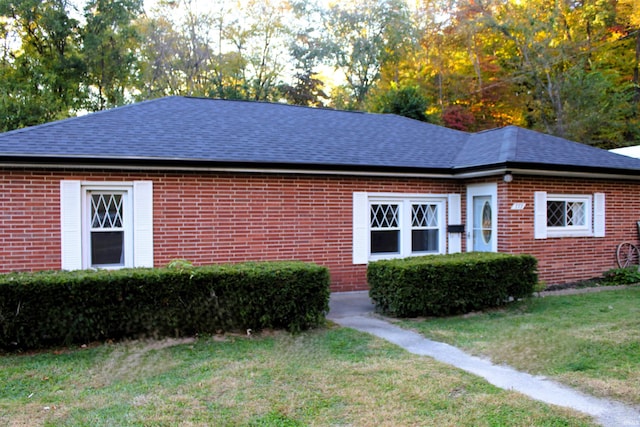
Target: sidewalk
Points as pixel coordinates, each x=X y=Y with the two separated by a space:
x=355 y=310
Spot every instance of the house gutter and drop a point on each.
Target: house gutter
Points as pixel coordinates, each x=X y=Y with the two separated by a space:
x=182 y=165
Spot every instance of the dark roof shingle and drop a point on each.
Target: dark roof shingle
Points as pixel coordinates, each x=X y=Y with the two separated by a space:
x=210 y=131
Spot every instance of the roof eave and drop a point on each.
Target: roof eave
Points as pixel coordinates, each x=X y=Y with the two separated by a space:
x=546 y=169
x=170 y=164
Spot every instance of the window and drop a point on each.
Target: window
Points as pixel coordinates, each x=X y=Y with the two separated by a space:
x=397 y=225
x=568 y=215
x=107 y=230
x=106 y=225
x=385 y=228
x=425 y=228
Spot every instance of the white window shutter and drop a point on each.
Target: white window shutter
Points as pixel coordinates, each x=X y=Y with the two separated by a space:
x=598 y=215
x=143 y=224
x=454 y=217
x=540 y=215
x=71 y=225
x=360 y=228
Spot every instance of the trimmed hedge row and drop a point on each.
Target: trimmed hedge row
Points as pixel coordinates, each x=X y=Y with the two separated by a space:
x=441 y=285
x=60 y=308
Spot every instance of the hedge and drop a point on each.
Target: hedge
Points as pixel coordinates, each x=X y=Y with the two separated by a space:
x=441 y=285
x=60 y=308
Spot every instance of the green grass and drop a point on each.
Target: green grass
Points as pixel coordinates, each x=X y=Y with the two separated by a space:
x=328 y=377
x=589 y=341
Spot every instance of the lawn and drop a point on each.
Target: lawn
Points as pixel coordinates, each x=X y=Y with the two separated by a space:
x=327 y=377
x=589 y=341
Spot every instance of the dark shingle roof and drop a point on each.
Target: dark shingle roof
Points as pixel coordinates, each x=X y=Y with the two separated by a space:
x=518 y=147
x=181 y=130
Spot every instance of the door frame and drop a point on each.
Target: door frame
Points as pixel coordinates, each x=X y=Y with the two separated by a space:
x=487 y=189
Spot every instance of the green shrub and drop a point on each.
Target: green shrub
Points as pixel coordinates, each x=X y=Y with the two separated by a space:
x=441 y=285
x=59 y=308
x=621 y=276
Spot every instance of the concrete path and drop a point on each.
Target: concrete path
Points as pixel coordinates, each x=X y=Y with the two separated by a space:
x=355 y=310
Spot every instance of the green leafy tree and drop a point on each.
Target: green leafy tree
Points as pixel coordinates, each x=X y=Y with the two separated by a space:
x=403 y=101
x=361 y=37
x=110 y=43
x=41 y=65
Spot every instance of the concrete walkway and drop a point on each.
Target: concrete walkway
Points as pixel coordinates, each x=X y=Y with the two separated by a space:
x=355 y=310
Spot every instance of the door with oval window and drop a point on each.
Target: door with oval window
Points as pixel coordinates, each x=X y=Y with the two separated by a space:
x=481 y=218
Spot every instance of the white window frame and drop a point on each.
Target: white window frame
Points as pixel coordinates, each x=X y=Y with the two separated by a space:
x=362 y=223
x=594 y=210
x=127 y=225
x=74 y=220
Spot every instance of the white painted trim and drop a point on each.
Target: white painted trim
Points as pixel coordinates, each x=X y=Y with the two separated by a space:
x=360 y=229
x=599 y=213
x=70 y=225
x=540 y=215
x=454 y=213
x=142 y=224
x=488 y=189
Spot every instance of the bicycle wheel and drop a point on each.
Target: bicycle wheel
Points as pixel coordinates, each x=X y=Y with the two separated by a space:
x=627 y=255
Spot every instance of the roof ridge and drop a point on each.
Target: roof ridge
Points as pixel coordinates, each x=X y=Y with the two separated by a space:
x=509 y=145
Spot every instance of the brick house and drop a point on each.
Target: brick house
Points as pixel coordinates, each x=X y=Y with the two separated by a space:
x=215 y=181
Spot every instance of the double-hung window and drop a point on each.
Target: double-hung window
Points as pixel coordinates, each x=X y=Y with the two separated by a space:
x=107 y=233
x=397 y=225
x=106 y=224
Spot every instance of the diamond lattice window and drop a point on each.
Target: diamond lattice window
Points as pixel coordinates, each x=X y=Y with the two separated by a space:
x=385 y=228
x=384 y=216
x=566 y=214
x=424 y=216
x=107 y=229
x=106 y=211
x=424 y=228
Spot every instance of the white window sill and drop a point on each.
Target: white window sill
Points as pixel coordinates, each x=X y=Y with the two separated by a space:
x=569 y=233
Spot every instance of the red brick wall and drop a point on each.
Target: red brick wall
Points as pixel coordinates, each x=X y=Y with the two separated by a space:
x=568 y=259
x=214 y=218
x=209 y=218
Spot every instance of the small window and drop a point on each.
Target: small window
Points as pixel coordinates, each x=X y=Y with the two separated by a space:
x=107 y=229
x=106 y=224
x=566 y=213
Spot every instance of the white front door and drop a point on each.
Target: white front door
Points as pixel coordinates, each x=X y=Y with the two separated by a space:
x=482 y=211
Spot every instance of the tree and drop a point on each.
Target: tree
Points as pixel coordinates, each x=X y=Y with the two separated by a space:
x=266 y=46
x=359 y=39
x=403 y=101
x=110 y=43
x=41 y=68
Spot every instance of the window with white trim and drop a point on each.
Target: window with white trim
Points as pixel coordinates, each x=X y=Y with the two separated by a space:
x=397 y=225
x=106 y=225
x=107 y=234
x=558 y=215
